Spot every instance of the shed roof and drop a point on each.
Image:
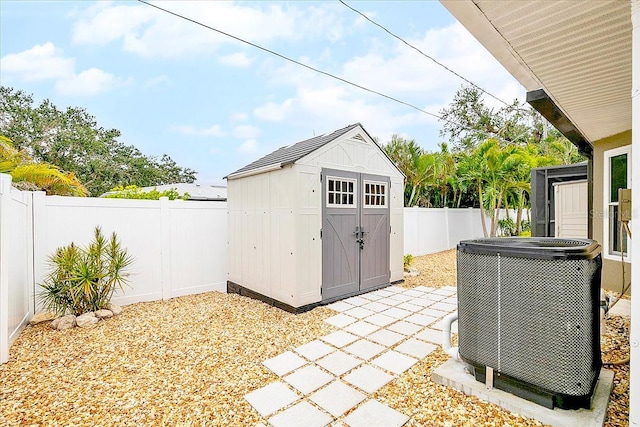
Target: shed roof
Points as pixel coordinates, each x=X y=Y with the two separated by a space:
x=292 y=153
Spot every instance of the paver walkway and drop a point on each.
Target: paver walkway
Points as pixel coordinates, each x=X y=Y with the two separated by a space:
x=381 y=334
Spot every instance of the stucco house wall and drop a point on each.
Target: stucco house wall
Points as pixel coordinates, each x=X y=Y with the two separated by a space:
x=611 y=267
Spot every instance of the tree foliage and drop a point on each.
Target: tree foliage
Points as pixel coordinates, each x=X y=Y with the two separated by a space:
x=135 y=192
x=34 y=176
x=490 y=163
x=72 y=140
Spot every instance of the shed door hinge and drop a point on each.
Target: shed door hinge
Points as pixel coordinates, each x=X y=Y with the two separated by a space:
x=321 y=233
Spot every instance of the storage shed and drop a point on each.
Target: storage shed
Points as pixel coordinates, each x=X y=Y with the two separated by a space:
x=316 y=221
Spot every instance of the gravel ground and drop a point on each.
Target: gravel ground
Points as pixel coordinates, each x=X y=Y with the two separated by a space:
x=190 y=361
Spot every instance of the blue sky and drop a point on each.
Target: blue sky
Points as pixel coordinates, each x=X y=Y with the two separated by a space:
x=214 y=104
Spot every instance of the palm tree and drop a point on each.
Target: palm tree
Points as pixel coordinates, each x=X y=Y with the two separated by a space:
x=29 y=175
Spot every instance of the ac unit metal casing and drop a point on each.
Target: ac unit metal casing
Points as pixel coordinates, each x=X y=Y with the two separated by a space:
x=529 y=310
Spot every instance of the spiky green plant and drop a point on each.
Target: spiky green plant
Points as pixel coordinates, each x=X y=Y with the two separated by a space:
x=84 y=279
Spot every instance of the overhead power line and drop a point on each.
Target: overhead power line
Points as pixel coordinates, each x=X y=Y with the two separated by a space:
x=286 y=58
x=422 y=53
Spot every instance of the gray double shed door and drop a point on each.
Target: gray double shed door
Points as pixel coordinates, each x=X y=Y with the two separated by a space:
x=355 y=232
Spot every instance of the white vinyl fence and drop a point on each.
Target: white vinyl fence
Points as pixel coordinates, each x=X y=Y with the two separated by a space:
x=180 y=247
x=429 y=230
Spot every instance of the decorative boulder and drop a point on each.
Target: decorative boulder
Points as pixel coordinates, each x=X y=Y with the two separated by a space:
x=66 y=322
x=115 y=309
x=42 y=317
x=87 y=320
x=104 y=314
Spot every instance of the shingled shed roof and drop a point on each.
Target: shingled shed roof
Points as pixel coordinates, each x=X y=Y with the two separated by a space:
x=291 y=153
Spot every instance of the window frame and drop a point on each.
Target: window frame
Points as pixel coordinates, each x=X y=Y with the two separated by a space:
x=384 y=184
x=340 y=205
x=607 y=252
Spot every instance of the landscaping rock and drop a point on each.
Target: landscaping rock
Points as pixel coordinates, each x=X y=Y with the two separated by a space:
x=411 y=272
x=54 y=324
x=103 y=314
x=115 y=309
x=42 y=317
x=66 y=322
x=87 y=320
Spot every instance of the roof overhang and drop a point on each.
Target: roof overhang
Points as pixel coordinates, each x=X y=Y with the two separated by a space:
x=577 y=53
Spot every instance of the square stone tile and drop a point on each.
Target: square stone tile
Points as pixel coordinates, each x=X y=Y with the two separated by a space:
x=314 y=350
x=395 y=289
x=430 y=335
x=433 y=297
x=302 y=414
x=444 y=306
x=284 y=363
x=394 y=362
x=401 y=297
x=372 y=296
x=451 y=300
x=375 y=414
x=414 y=292
x=433 y=312
x=409 y=306
x=404 y=328
x=364 y=349
x=422 y=302
x=339 y=338
x=389 y=301
x=359 y=312
x=375 y=306
x=337 y=398
x=368 y=378
x=421 y=319
x=424 y=288
x=382 y=292
x=415 y=348
x=386 y=337
x=397 y=313
x=439 y=327
x=339 y=362
x=340 y=306
x=380 y=319
x=446 y=291
x=340 y=320
x=308 y=379
x=271 y=398
x=357 y=301
x=361 y=328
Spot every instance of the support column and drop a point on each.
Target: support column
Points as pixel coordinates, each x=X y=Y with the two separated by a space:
x=634 y=374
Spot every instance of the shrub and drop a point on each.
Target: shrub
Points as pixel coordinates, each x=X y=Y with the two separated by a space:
x=507 y=227
x=84 y=279
x=408 y=259
x=135 y=192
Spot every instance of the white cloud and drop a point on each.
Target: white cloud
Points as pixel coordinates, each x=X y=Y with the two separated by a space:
x=151 y=33
x=239 y=117
x=157 y=81
x=249 y=146
x=88 y=83
x=237 y=60
x=41 y=62
x=274 y=112
x=246 y=131
x=215 y=131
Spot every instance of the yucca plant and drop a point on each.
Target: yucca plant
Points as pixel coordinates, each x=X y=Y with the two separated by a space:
x=84 y=279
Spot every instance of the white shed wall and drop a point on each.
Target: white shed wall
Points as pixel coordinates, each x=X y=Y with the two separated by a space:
x=572 y=209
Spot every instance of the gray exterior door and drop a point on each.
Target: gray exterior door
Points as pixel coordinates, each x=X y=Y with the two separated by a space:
x=355 y=232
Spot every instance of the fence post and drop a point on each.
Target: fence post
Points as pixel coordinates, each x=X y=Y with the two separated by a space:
x=40 y=238
x=5 y=199
x=165 y=248
x=446 y=224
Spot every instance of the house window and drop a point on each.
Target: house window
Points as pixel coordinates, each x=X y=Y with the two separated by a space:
x=375 y=194
x=341 y=192
x=617 y=164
